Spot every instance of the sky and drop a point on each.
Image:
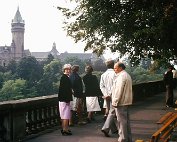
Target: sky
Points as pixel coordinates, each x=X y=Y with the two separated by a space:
x=43 y=25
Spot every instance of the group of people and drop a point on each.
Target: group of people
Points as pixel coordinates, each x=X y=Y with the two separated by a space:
x=115 y=87
x=71 y=96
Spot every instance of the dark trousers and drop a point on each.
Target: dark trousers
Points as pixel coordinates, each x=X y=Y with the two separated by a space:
x=169 y=95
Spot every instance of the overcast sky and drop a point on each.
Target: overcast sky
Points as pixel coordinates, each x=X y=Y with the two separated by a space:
x=43 y=25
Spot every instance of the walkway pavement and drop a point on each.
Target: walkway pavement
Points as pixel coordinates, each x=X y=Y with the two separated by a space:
x=143 y=116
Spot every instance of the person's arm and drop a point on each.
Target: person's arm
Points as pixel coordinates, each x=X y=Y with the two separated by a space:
x=103 y=88
x=118 y=91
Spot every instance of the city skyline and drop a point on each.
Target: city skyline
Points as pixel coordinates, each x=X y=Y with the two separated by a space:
x=43 y=25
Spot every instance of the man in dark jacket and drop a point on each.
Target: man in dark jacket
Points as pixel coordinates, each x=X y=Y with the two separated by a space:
x=168 y=80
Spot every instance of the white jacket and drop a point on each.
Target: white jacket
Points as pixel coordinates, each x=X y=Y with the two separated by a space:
x=122 y=89
x=106 y=82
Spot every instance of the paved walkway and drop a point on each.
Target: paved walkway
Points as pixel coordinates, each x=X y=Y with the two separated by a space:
x=143 y=116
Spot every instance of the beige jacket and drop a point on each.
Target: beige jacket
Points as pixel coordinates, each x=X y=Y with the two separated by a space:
x=122 y=89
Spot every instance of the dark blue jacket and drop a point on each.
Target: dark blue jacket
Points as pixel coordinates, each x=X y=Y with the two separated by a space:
x=92 y=87
x=77 y=85
x=65 y=89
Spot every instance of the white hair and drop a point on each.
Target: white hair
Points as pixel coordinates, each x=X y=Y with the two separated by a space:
x=66 y=66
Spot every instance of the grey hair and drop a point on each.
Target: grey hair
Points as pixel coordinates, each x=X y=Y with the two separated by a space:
x=120 y=64
x=66 y=66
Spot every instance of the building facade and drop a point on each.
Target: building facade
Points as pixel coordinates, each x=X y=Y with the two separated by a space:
x=16 y=50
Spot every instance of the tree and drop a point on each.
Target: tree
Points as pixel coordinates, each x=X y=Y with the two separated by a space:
x=76 y=61
x=140 y=28
x=47 y=84
x=99 y=65
x=29 y=69
x=2 y=68
x=49 y=59
x=13 y=89
x=145 y=63
x=12 y=66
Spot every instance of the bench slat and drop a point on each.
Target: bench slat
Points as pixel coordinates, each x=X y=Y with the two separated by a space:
x=164 y=118
x=166 y=135
x=165 y=125
x=164 y=132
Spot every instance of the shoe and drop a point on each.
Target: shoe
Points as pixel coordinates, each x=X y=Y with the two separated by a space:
x=62 y=130
x=105 y=133
x=88 y=120
x=169 y=106
x=92 y=119
x=66 y=133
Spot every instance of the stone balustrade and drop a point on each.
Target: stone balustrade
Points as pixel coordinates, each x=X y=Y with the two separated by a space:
x=24 y=117
x=21 y=118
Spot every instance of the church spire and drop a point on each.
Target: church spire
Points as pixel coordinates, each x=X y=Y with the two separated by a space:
x=18 y=17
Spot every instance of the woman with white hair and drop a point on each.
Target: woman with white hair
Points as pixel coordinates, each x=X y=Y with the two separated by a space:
x=64 y=97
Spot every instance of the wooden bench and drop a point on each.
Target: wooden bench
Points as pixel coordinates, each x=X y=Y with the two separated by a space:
x=165 y=118
x=168 y=123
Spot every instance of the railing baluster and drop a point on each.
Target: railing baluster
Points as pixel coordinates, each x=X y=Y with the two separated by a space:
x=28 y=122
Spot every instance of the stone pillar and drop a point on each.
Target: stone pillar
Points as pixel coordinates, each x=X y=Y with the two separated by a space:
x=18 y=118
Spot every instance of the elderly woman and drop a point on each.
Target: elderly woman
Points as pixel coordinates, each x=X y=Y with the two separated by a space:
x=78 y=100
x=64 y=97
x=92 y=91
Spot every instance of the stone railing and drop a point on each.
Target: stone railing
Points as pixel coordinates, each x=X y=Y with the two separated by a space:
x=22 y=118
x=148 y=89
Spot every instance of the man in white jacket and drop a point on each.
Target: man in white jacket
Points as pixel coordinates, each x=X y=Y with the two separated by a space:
x=122 y=97
x=106 y=83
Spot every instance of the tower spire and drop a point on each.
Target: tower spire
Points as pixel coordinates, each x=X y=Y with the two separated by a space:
x=17 y=17
x=18 y=28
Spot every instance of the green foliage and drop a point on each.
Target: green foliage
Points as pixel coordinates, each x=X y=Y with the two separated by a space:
x=28 y=69
x=53 y=69
x=141 y=75
x=145 y=63
x=49 y=59
x=99 y=65
x=2 y=69
x=76 y=61
x=16 y=89
x=12 y=66
x=46 y=81
x=139 y=28
x=13 y=89
x=1 y=79
x=5 y=77
x=47 y=84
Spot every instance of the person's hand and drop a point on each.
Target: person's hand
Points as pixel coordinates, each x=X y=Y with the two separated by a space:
x=114 y=106
x=106 y=97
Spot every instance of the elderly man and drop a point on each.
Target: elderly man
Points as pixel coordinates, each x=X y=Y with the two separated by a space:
x=121 y=99
x=106 y=83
